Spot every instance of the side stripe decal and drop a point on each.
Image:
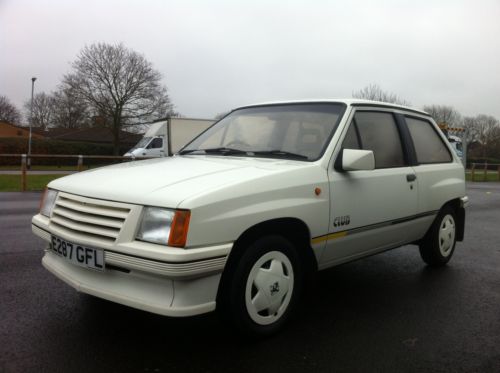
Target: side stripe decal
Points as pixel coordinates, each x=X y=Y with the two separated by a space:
x=335 y=235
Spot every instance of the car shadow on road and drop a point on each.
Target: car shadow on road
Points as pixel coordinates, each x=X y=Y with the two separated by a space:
x=376 y=304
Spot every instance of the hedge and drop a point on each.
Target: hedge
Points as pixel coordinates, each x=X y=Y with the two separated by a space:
x=483 y=160
x=46 y=146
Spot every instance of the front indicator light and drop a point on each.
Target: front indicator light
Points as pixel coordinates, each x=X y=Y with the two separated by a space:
x=179 y=230
x=48 y=201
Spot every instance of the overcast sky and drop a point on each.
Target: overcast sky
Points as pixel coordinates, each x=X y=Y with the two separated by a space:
x=216 y=55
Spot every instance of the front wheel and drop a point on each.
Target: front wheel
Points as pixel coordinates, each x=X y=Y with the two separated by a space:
x=263 y=287
x=438 y=245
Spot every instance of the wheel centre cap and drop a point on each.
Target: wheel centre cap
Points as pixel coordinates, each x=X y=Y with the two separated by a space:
x=274 y=288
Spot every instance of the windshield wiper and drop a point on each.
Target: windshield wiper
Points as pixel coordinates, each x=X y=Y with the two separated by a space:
x=281 y=154
x=231 y=151
x=220 y=150
x=188 y=151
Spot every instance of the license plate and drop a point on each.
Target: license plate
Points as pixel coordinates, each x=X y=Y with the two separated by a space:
x=77 y=254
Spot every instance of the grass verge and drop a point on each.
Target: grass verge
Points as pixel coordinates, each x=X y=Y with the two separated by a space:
x=12 y=183
x=44 y=168
x=479 y=176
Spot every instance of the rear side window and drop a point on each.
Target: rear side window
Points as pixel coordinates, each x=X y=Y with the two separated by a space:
x=378 y=132
x=429 y=146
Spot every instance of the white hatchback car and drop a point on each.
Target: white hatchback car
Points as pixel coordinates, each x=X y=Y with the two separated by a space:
x=244 y=213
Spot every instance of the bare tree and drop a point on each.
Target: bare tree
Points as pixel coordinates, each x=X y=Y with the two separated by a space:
x=8 y=111
x=469 y=124
x=486 y=130
x=375 y=93
x=43 y=110
x=120 y=85
x=444 y=114
x=69 y=110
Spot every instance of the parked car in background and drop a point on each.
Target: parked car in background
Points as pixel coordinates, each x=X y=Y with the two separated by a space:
x=456 y=144
x=243 y=214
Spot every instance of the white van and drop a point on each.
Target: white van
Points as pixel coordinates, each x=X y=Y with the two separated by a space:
x=165 y=137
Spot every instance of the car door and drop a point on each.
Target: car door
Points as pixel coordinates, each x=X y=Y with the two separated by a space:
x=368 y=209
x=437 y=172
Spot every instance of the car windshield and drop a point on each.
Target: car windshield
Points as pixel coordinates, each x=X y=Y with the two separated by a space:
x=143 y=143
x=292 y=131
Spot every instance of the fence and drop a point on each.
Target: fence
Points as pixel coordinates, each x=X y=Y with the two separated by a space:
x=483 y=171
x=488 y=171
x=25 y=161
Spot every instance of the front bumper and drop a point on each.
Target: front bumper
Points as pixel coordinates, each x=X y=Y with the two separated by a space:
x=167 y=281
x=150 y=293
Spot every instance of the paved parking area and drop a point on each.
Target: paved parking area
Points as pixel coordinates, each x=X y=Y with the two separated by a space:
x=386 y=313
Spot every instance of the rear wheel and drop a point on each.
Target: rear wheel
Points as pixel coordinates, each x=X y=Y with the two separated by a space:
x=261 y=291
x=438 y=245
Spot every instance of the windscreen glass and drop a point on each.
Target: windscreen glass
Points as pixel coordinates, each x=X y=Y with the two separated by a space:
x=294 y=131
x=143 y=143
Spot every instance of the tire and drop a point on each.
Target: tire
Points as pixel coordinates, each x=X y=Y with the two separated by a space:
x=262 y=289
x=438 y=245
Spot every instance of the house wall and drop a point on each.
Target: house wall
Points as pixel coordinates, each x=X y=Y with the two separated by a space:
x=9 y=130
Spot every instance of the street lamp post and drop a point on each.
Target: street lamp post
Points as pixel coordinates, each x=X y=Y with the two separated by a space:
x=31 y=121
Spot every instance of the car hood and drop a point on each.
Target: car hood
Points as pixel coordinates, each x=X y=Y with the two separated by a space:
x=169 y=181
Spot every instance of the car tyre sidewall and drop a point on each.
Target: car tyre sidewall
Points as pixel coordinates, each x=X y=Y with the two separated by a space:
x=430 y=249
x=234 y=302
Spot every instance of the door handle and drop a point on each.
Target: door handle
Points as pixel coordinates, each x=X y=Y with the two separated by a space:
x=411 y=177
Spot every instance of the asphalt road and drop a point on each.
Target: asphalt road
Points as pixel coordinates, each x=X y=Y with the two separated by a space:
x=386 y=313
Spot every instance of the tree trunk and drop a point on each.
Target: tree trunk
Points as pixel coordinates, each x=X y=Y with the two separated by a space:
x=116 y=135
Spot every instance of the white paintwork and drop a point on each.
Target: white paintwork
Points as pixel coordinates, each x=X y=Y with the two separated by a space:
x=157 y=129
x=227 y=195
x=384 y=193
x=183 y=130
x=126 y=245
x=358 y=160
x=150 y=293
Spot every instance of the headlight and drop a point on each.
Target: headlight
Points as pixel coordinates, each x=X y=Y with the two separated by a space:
x=47 y=203
x=164 y=226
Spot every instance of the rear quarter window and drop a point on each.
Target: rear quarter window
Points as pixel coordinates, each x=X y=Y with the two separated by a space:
x=429 y=146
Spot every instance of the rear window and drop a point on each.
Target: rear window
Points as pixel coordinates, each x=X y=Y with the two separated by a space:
x=429 y=146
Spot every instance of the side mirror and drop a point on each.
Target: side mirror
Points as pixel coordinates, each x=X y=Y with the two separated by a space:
x=357 y=160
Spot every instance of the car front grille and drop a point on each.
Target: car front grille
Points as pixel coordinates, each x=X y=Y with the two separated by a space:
x=88 y=218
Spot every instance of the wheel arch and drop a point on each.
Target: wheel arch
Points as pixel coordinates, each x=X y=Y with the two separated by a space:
x=456 y=205
x=291 y=228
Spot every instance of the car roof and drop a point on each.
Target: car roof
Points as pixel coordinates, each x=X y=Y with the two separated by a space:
x=346 y=101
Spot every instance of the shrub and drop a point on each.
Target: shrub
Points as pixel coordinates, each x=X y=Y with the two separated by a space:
x=46 y=146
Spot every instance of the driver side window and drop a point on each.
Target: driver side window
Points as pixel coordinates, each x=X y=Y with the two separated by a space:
x=156 y=143
x=351 y=140
x=378 y=132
